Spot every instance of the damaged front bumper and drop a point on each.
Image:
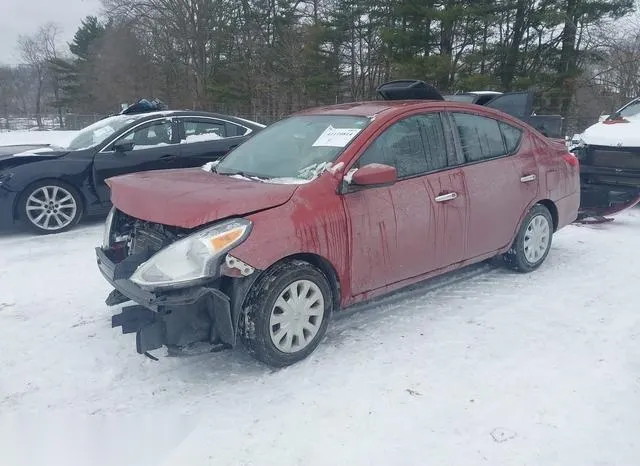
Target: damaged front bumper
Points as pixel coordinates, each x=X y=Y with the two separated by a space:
x=609 y=179
x=173 y=318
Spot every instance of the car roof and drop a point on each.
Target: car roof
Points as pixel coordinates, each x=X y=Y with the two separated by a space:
x=390 y=108
x=192 y=113
x=370 y=108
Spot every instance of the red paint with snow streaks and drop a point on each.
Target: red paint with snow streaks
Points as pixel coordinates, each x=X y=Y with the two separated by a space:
x=374 y=238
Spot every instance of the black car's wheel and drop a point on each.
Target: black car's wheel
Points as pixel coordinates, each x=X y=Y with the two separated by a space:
x=50 y=206
x=533 y=242
x=287 y=313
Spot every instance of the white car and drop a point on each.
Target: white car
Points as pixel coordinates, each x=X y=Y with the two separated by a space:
x=609 y=154
x=620 y=129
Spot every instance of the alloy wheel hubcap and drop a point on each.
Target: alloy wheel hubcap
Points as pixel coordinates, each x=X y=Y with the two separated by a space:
x=296 y=316
x=51 y=208
x=536 y=238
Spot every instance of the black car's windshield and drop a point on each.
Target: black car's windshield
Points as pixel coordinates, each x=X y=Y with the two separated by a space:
x=99 y=131
x=298 y=148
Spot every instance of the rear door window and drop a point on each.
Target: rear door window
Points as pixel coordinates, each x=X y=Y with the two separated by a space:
x=435 y=143
x=207 y=129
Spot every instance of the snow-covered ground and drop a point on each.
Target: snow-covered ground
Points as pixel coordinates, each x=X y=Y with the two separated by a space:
x=483 y=366
x=36 y=137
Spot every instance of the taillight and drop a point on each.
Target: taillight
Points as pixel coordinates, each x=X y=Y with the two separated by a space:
x=571 y=159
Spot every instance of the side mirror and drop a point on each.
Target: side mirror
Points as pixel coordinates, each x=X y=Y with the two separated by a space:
x=123 y=146
x=375 y=174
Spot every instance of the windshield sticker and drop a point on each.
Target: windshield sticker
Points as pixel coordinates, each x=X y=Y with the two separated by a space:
x=336 y=137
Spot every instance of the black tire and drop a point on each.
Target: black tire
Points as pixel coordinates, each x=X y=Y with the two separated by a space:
x=62 y=218
x=260 y=305
x=517 y=257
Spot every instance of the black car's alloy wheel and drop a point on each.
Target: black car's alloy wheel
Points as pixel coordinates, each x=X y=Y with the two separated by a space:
x=287 y=313
x=50 y=207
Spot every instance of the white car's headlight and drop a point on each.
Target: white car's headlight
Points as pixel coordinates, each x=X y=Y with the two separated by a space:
x=106 y=235
x=193 y=258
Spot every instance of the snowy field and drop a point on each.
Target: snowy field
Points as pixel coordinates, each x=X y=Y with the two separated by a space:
x=36 y=137
x=483 y=366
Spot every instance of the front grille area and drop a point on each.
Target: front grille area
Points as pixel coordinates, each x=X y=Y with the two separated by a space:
x=624 y=158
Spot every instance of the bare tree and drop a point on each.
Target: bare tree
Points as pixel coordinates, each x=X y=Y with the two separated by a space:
x=36 y=51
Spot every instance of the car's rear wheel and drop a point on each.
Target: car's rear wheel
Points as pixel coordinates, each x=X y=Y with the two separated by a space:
x=287 y=313
x=533 y=242
x=50 y=206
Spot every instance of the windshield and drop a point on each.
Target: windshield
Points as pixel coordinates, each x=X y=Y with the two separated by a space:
x=631 y=109
x=297 y=148
x=99 y=131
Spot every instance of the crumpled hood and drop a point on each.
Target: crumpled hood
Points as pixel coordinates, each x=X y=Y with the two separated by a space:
x=14 y=155
x=189 y=198
x=614 y=134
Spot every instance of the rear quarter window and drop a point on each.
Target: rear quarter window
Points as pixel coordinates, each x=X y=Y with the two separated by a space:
x=512 y=136
x=480 y=137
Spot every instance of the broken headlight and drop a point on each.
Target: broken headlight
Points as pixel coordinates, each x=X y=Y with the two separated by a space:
x=191 y=259
x=106 y=236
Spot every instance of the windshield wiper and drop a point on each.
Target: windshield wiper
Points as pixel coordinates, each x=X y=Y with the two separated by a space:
x=241 y=173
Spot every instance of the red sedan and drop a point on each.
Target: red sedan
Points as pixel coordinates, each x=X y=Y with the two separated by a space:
x=324 y=209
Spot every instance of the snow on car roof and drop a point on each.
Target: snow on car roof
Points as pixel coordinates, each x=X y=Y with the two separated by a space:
x=484 y=92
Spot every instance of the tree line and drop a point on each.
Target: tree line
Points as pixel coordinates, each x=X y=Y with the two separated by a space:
x=267 y=58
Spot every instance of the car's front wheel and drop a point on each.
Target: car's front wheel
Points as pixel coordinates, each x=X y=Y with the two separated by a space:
x=533 y=241
x=50 y=207
x=287 y=313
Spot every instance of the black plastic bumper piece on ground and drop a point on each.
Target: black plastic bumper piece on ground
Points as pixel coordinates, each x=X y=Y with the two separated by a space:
x=151 y=337
x=133 y=318
x=115 y=298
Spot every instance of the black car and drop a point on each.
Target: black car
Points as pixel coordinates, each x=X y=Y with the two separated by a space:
x=518 y=104
x=50 y=188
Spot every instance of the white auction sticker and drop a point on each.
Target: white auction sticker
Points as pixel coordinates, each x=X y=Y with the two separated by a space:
x=336 y=137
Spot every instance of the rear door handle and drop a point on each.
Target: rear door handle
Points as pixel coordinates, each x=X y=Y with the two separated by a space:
x=446 y=197
x=527 y=178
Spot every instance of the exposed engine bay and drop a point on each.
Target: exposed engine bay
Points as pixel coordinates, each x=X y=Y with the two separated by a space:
x=132 y=236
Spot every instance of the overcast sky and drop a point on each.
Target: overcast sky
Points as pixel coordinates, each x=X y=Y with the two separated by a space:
x=25 y=16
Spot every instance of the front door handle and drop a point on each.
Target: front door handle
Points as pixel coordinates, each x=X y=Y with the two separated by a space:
x=446 y=197
x=527 y=178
